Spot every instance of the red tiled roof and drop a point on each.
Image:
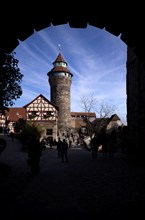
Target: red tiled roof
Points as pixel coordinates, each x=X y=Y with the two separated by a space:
x=90 y=114
x=60 y=59
x=14 y=114
x=60 y=69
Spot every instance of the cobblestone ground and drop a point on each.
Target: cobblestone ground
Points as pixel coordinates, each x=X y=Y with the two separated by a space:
x=83 y=188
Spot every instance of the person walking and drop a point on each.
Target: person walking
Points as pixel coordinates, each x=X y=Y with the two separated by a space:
x=94 y=147
x=34 y=154
x=12 y=136
x=112 y=143
x=59 y=145
x=64 y=151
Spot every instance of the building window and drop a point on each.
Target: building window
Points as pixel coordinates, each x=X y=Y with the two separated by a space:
x=49 y=131
x=47 y=114
x=32 y=114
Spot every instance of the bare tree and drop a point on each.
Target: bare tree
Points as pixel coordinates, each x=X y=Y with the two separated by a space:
x=103 y=113
x=88 y=105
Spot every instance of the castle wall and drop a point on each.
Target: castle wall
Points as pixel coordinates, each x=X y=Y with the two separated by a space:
x=135 y=101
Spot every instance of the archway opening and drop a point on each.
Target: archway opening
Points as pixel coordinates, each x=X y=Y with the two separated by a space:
x=96 y=58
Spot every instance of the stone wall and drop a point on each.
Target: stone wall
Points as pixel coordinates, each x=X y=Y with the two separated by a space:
x=60 y=96
x=135 y=85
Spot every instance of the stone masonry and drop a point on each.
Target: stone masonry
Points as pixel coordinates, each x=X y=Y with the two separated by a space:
x=60 y=95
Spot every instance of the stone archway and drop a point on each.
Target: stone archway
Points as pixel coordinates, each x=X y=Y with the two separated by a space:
x=20 y=24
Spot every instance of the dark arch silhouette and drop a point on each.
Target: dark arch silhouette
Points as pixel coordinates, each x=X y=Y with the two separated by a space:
x=18 y=22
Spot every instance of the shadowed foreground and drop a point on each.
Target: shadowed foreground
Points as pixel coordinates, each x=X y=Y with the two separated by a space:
x=83 y=188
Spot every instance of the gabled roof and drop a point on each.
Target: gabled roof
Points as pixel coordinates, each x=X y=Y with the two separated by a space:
x=42 y=96
x=114 y=117
x=106 y=121
x=98 y=120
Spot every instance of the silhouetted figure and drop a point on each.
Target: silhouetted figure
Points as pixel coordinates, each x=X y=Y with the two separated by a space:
x=5 y=131
x=124 y=140
x=34 y=154
x=70 y=143
x=43 y=144
x=104 y=143
x=51 y=143
x=54 y=143
x=59 y=145
x=3 y=144
x=12 y=136
x=64 y=151
x=94 y=147
x=112 y=143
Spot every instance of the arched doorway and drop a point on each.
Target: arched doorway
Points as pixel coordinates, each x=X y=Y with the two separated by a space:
x=127 y=26
x=96 y=58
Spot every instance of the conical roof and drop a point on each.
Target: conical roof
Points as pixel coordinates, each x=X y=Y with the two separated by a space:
x=60 y=59
x=59 y=68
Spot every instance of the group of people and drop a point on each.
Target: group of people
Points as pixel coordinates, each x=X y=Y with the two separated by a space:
x=62 y=149
x=107 y=141
x=35 y=148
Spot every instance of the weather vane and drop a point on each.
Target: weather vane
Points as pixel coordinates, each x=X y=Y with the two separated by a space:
x=59 y=47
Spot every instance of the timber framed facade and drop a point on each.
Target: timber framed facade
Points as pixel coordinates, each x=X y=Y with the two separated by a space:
x=39 y=111
x=42 y=112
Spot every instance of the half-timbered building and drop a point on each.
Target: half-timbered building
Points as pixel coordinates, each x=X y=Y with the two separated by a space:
x=45 y=113
x=39 y=111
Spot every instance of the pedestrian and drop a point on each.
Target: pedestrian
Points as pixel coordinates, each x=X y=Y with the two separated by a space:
x=70 y=143
x=12 y=136
x=64 y=151
x=34 y=154
x=104 y=142
x=43 y=144
x=51 y=143
x=94 y=147
x=59 y=145
x=54 y=143
x=112 y=143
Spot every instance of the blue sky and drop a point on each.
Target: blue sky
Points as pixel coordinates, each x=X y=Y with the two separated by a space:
x=96 y=58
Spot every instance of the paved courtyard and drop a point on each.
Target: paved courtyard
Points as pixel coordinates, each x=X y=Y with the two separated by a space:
x=83 y=188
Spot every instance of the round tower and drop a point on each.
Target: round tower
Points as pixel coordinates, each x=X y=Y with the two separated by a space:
x=60 y=79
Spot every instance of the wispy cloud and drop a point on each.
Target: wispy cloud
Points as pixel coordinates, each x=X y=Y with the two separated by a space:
x=96 y=58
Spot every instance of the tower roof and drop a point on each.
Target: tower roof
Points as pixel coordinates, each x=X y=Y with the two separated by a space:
x=59 y=67
x=60 y=59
